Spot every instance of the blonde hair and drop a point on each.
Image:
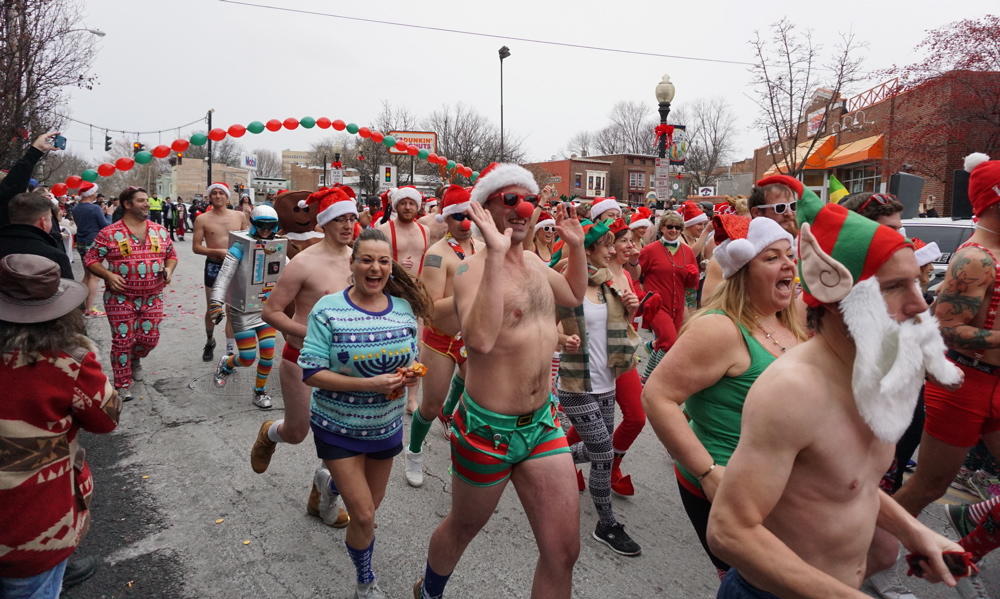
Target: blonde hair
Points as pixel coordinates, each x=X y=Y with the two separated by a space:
x=670 y=216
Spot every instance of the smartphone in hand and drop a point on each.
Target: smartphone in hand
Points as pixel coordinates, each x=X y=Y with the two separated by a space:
x=59 y=141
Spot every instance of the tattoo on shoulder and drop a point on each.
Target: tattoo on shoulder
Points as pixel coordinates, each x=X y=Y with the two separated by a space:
x=463 y=267
x=432 y=261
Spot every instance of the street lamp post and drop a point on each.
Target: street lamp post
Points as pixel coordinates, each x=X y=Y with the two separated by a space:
x=504 y=53
x=664 y=96
x=209 y=157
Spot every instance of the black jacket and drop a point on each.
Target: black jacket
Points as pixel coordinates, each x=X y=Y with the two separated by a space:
x=29 y=239
x=16 y=180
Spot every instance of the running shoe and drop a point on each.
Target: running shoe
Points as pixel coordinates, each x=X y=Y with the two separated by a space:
x=262 y=450
x=623 y=486
x=222 y=372
x=978 y=483
x=615 y=537
x=125 y=393
x=324 y=503
x=971 y=587
x=958 y=517
x=262 y=399
x=368 y=591
x=887 y=585
x=414 y=468
x=208 y=351
x=136 y=369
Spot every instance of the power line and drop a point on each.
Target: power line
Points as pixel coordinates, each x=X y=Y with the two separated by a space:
x=127 y=131
x=490 y=35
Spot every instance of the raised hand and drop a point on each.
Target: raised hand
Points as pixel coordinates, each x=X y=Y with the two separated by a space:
x=44 y=141
x=495 y=241
x=568 y=225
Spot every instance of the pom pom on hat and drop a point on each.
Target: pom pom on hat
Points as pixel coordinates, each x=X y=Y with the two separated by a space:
x=741 y=239
x=218 y=185
x=407 y=192
x=984 y=181
x=497 y=176
x=973 y=160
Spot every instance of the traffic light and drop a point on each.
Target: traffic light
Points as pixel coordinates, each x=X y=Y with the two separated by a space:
x=107 y=142
x=387 y=175
x=180 y=157
x=138 y=147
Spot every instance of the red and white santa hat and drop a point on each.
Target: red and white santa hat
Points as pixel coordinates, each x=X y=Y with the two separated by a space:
x=218 y=185
x=602 y=205
x=454 y=200
x=430 y=203
x=692 y=213
x=88 y=189
x=925 y=252
x=741 y=239
x=545 y=220
x=643 y=217
x=984 y=181
x=407 y=192
x=332 y=202
x=497 y=176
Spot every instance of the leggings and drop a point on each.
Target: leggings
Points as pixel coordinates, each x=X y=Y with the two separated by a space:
x=593 y=417
x=697 y=508
x=246 y=344
x=628 y=394
x=135 y=330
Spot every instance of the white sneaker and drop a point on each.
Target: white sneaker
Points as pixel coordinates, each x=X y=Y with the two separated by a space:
x=329 y=508
x=262 y=399
x=368 y=591
x=887 y=585
x=221 y=372
x=414 y=468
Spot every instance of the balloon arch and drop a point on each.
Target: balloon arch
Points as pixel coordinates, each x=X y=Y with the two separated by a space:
x=198 y=139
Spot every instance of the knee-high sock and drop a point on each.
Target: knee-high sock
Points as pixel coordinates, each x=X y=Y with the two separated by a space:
x=362 y=559
x=592 y=414
x=978 y=511
x=454 y=394
x=246 y=346
x=985 y=537
x=265 y=340
x=418 y=431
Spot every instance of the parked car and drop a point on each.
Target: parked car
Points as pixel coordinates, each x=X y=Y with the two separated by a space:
x=949 y=234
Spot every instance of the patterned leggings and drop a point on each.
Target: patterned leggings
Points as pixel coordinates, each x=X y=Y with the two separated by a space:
x=135 y=330
x=246 y=344
x=593 y=417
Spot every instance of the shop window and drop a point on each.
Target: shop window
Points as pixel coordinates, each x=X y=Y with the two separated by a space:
x=596 y=183
x=866 y=177
x=636 y=180
x=578 y=180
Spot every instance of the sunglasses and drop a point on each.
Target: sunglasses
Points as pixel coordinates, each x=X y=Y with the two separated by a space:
x=511 y=199
x=459 y=217
x=781 y=207
x=880 y=198
x=674 y=227
x=549 y=229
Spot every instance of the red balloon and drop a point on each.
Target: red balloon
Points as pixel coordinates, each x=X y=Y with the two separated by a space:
x=323 y=122
x=377 y=137
x=160 y=151
x=365 y=132
x=217 y=134
x=432 y=158
x=106 y=170
x=74 y=181
x=124 y=164
x=273 y=125
x=179 y=145
x=291 y=123
x=59 y=189
x=402 y=145
x=412 y=150
x=236 y=130
x=338 y=124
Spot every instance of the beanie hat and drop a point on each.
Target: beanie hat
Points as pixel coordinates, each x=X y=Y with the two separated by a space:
x=925 y=252
x=984 y=181
x=641 y=218
x=88 y=189
x=217 y=185
x=602 y=205
x=791 y=182
x=692 y=213
x=545 y=220
x=838 y=248
x=332 y=202
x=592 y=233
x=454 y=200
x=741 y=239
x=408 y=192
x=497 y=176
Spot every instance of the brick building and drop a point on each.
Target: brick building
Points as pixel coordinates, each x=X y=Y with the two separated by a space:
x=628 y=177
x=190 y=178
x=926 y=130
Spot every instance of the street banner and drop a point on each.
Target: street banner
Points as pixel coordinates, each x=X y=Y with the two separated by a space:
x=679 y=146
x=422 y=140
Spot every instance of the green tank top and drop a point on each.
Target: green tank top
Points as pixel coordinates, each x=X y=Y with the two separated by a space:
x=715 y=412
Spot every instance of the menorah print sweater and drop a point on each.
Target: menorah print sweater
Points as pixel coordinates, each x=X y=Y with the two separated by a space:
x=349 y=340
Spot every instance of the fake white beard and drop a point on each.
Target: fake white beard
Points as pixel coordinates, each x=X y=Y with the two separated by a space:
x=892 y=360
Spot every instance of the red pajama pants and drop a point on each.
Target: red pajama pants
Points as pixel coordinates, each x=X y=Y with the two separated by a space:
x=628 y=395
x=135 y=330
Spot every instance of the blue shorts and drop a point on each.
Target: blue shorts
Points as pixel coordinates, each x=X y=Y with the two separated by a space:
x=326 y=451
x=46 y=585
x=212 y=269
x=735 y=586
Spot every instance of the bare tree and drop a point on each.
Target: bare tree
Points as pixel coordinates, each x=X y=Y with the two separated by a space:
x=790 y=84
x=710 y=130
x=43 y=51
x=268 y=163
x=56 y=166
x=582 y=144
x=629 y=132
x=470 y=138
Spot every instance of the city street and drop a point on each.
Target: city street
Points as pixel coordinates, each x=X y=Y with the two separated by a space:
x=178 y=512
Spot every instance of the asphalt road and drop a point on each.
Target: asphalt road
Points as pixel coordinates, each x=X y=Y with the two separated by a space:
x=179 y=514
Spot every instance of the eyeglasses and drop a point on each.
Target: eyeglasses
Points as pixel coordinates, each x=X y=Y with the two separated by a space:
x=346 y=218
x=674 y=227
x=511 y=199
x=459 y=217
x=880 y=198
x=781 y=207
x=549 y=229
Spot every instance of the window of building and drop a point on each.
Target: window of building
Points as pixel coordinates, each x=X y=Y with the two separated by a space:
x=578 y=180
x=865 y=177
x=636 y=180
x=596 y=183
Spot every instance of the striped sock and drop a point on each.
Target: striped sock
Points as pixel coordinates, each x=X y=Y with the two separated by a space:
x=978 y=511
x=265 y=341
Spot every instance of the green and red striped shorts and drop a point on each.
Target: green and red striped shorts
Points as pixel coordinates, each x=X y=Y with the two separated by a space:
x=485 y=445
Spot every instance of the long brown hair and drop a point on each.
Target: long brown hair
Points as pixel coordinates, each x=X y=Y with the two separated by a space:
x=400 y=283
x=66 y=334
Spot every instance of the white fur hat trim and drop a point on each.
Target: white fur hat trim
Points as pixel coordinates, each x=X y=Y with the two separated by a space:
x=734 y=254
x=225 y=188
x=549 y=222
x=502 y=175
x=337 y=209
x=927 y=254
x=452 y=209
x=599 y=208
x=701 y=217
x=404 y=193
x=642 y=222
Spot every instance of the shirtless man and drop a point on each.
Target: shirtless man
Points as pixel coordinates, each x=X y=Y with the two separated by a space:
x=436 y=229
x=798 y=511
x=442 y=347
x=408 y=238
x=319 y=270
x=211 y=239
x=506 y=298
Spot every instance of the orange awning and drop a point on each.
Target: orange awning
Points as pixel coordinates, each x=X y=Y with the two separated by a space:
x=816 y=159
x=869 y=148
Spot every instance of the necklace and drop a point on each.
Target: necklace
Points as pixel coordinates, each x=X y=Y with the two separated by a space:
x=770 y=337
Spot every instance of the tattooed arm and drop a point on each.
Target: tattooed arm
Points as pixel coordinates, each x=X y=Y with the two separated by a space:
x=435 y=279
x=965 y=289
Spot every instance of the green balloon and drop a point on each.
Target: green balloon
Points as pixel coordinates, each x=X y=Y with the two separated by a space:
x=475 y=175
x=198 y=139
x=451 y=164
x=352 y=128
x=308 y=122
x=422 y=154
x=388 y=141
x=255 y=127
x=144 y=157
x=89 y=175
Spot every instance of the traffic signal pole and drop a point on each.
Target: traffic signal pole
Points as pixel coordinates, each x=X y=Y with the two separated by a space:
x=210 y=111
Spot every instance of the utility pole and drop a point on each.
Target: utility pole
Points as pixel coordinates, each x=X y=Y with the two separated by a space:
x=210 y=111
x=504 y=52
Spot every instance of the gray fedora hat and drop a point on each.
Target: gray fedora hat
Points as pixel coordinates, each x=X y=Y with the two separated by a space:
x=31 y=290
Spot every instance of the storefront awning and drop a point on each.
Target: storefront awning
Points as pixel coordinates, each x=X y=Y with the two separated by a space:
x=869 y=148
x=814 y=161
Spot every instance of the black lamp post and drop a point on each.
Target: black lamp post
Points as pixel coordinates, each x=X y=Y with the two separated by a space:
x=664 y=96
x=504 y=53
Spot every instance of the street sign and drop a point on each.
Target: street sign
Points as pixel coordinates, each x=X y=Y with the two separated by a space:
x=423 y=140
x=387 y=177
x=336 y=176
x=248 y=161
x=661 y=178
x=706 y=191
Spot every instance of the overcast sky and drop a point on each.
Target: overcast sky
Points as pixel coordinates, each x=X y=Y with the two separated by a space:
x=162 y=64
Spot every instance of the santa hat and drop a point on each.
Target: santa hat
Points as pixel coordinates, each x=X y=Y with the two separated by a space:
x=925 y=252
x=430 y=203
x=497 y=176
x=408 y=192
x=217 y=185
x=838 y=248
x=723 y=208
x=346 y=189
x=741 y=239
x=602 y=205
x=641 y=218
x=984 y=181
x=454 y=200
x=545 y=220
x=692 y=213
x=88 y=189
x=332 y=202
x=617 y=226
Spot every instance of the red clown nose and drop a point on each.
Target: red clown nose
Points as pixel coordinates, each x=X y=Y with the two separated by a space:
x=466 y=224
x=524 y=209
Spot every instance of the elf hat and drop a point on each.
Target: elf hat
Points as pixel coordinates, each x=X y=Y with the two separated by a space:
x=408 y=192
x=217 y=185
x=602 y=205
x=692 y=213
x=88 y=189
x=617 y=226
x=497 y=176
x=545 y=220
x=925 y=252
x=641 y=218
x=741 y=239
x=592 y=233
x=984 y=181
x=839 y=248
x=455 y=200
x=332 y=202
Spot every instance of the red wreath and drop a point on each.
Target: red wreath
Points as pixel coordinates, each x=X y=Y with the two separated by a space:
x=338 y=164
x=664 y=130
